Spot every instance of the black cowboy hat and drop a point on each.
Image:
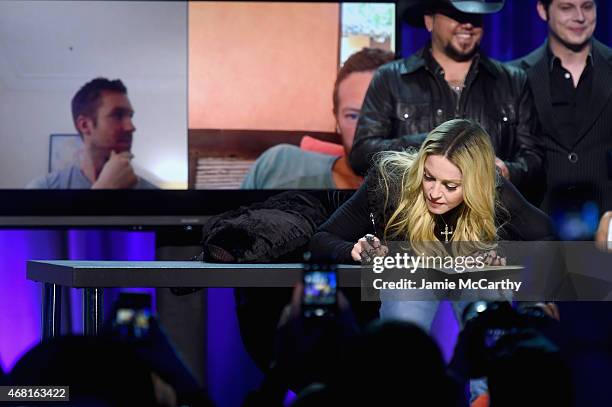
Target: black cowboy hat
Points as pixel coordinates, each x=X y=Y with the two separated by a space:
x=412 y=11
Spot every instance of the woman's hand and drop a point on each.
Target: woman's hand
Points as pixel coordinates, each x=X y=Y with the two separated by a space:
x=491 y=258
x=367 y=248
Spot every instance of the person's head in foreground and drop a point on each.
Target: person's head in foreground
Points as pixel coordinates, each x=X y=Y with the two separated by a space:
x=396 y=363
x=452 y=178
x=527 y=369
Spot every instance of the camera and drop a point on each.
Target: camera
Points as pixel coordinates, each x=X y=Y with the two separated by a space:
x=487 y=324
x=320 y=295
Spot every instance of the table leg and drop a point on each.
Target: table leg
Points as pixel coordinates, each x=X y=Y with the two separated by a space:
x=51 y=310
x=93 y=310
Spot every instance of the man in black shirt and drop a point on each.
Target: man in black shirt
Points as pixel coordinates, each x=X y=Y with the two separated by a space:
x=571 y=79
x=451 y=78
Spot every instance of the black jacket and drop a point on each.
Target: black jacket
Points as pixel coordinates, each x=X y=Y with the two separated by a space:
x=408 y=98
x=593 y=146
x=274 y=230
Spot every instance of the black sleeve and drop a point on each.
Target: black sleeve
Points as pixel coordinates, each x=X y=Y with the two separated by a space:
x=526 y=221
x=526 y=163
x=335 y=238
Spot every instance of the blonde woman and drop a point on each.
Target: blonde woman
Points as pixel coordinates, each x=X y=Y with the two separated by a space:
x=447 y=192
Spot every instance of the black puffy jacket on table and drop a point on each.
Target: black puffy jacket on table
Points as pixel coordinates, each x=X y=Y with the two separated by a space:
x=410 y=97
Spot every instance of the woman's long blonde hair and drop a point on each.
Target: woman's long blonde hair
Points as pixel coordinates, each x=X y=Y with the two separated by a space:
x=465 y=144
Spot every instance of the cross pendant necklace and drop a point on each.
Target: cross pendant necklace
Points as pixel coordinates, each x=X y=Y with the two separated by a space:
x=446 y=232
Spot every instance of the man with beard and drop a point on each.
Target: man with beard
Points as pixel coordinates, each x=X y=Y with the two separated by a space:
x=570 y=77
x=451 y=78
x=102 y=115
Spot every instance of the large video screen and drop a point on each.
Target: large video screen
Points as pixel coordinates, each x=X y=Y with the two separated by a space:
x=262 y=74
x=210 y=86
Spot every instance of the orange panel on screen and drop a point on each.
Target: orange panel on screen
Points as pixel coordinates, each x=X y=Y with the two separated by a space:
x=266 y=66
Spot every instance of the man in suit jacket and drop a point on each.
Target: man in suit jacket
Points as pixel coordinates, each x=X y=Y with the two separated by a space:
x=571 y=79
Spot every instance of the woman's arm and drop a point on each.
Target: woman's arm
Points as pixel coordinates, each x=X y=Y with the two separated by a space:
x=335 y=238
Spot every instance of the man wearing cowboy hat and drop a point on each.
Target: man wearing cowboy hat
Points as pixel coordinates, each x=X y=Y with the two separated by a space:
x=451 y=78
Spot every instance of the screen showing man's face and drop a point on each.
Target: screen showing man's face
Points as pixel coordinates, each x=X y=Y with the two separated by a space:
x=283 y=96
x=113 y=128
x=351 y=92
x=42 y=66
x=268 y=109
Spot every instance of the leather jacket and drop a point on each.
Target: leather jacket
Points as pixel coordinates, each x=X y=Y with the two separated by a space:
x=410 y=97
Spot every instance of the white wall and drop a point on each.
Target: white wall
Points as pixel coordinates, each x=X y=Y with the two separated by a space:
x=49 y=49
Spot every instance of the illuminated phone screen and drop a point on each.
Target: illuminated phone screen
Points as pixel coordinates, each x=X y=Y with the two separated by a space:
x=320 y=288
